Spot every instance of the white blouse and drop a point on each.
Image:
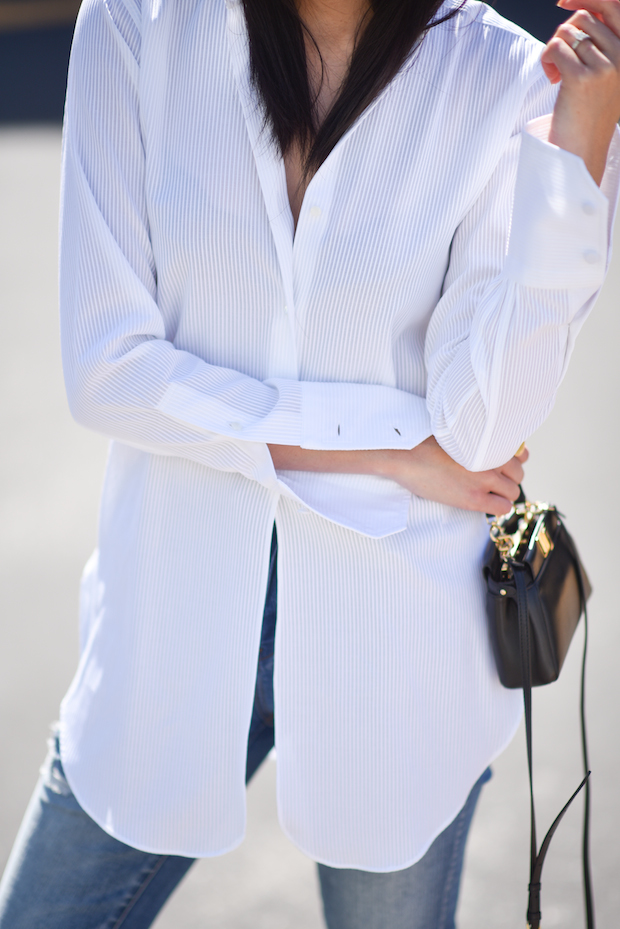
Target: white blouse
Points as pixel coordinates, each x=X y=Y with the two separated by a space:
x=413 y=299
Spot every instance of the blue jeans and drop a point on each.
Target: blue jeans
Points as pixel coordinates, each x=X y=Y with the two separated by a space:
x=65 y=872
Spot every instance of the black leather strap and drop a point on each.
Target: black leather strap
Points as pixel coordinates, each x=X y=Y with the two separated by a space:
x=587 y=877
x=537 y=858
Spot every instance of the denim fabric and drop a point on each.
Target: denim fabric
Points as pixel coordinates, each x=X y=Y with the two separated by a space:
x=260 y=741
x=65 y=872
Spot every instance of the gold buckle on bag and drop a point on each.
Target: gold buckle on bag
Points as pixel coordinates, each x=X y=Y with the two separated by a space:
x=530 y=530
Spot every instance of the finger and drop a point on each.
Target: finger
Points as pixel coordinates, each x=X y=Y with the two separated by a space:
x=551 y=71
x=495 y=505
x=606 y=10
x=549 y=67
x=503 y=486
x=523 y=454
x=587 y=51
x=513 y=470
x=564 y=58
x=586 y=36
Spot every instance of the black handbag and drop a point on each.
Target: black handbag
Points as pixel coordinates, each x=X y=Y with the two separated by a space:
x=537 y=590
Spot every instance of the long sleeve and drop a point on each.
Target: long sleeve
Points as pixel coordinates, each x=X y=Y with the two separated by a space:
x=526 y=265
x=124 y=376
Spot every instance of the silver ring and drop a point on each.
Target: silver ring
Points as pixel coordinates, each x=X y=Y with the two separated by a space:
x=580 y=36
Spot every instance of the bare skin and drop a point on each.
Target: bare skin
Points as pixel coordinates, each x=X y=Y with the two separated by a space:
x=583 y=122
x=426 y=471
x=588 y=104
x=334 y=25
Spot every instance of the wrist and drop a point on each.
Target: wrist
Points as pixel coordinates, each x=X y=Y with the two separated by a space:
x=590 y=143
x=387 y=463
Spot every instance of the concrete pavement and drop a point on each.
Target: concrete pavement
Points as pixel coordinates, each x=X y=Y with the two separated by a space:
x=50 y=472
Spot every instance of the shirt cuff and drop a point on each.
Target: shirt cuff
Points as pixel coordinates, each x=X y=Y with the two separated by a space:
x=321 y=416
x=561 y=223
x=349 y=417
x=373 y=506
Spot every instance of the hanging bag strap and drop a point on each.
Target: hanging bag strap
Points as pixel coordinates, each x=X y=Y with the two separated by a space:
x=537 y=858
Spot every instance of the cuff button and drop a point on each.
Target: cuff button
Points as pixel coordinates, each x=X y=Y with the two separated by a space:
x=591 y=256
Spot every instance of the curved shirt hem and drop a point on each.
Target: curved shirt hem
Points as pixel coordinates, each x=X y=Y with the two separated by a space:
x=151 y=850
x=120 y=837
x=410 y=862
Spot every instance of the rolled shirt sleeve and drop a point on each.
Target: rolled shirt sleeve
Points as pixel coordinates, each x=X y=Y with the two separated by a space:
x=561 y=224
x=526 y=266
x=321 y=416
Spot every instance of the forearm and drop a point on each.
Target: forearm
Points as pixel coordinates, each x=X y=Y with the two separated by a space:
x=425 y=470
x=381 y=462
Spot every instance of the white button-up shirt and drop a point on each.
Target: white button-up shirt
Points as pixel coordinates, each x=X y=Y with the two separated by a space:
x=443 y=262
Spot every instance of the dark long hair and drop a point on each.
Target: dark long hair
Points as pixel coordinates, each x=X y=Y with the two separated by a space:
x=279 y=69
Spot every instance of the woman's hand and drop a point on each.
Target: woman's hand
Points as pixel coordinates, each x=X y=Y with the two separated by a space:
x=588 y=104
x=429 y=472
x=425 y=470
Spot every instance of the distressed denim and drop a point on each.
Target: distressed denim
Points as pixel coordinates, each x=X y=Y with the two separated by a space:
x=65 y=872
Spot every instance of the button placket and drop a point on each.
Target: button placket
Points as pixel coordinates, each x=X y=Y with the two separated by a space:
x=311 y=229
x=272 y=178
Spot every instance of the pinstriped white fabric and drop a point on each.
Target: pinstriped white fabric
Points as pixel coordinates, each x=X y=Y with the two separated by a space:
x=196 y=326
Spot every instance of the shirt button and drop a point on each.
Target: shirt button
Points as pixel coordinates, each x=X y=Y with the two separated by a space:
x=235 y=426
x=315 y=212
x=591 y=256
x=286 y=309
x=588 y=208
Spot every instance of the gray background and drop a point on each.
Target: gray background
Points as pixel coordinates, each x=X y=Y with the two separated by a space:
x=51 y=473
